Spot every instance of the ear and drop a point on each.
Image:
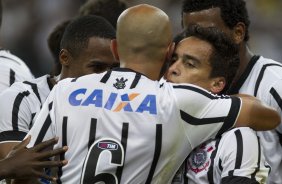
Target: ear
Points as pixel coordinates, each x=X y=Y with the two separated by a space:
x=64 y=57
x=239 y=32
x=170 y=51
x=114 y=49
x=217 y=85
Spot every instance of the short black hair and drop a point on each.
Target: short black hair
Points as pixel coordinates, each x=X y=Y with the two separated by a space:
x=54 y=44
x=224 y=59
x=55 y=37
x=232 y=11
x=109 y=9
x=81 y=29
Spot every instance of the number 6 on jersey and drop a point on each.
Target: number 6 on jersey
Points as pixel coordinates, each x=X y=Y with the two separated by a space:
x=96 y=151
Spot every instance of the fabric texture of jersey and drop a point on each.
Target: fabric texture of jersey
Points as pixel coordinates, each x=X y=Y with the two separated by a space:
x=237 y=153
x=263 y=79
x=122 y=127
x=12 y=69
x=19 y=107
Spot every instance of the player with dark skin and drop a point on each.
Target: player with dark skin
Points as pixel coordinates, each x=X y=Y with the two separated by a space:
x=88 y=53
x=93 y=57
x=24 y=162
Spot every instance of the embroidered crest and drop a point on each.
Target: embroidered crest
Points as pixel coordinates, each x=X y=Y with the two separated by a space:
x=120 y=84
x=199 y=159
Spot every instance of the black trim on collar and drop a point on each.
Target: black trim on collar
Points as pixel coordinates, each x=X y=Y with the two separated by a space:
x=235 y=88
x=50 y=83
x=128 y=70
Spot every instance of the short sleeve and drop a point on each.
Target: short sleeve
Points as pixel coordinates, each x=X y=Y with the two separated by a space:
x=240 y=154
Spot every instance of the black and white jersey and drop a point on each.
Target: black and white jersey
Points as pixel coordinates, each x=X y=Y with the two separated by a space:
x=122 y=127
x=238 y=153
x=263 y=79
x=19 y=107
x=12 y=69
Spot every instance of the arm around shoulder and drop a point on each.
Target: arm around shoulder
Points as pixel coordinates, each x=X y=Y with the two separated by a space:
x=256 y=115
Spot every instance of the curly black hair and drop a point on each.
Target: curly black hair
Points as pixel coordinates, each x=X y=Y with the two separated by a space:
x=224 y=59
x=109 y=9
x=232 y=11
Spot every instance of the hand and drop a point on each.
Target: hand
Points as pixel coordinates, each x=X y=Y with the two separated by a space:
x=24 y=162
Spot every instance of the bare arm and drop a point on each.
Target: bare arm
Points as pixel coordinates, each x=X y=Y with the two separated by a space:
x=256 y=115
x=24 y=162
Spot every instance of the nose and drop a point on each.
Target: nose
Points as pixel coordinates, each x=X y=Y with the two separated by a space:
x=173 y=71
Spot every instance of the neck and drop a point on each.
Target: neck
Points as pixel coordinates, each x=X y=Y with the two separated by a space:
x=53 y=81
x=65 y=73
x=245 y=57
x=150 y=69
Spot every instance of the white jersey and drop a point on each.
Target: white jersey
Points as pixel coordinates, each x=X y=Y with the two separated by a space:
x=12 y=69
x=19 y=107
x=237 y=153
x=263 y=79
x=122 y=127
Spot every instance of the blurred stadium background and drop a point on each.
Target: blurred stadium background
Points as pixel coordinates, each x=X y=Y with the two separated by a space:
x=26 y=25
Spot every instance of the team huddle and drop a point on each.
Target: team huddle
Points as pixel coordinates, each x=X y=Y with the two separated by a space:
x=131 y=104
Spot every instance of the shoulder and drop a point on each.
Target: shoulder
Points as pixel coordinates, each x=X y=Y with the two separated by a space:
x=14 y=60
x=27 y=85
x=6 y=55
x=239 y=130
x=270 y=68
x=189 y=92
x=239 y=135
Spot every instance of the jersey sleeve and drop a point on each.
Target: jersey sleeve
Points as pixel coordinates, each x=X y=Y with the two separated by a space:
x=12 y=73
x=15 y=113
x=44 y=126
x=240 y=155
x=203 y=114
x=275 y=100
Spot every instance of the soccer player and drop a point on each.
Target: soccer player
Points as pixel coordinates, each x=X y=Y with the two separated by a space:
x=123 y=126
x=24 y=162
x=12 y=68
x=257 y=76
x=205 y=57
x=85 y=48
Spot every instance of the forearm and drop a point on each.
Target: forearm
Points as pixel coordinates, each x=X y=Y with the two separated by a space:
x=257 y=115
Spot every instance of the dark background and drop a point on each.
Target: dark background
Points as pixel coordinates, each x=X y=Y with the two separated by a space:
x=27 y=23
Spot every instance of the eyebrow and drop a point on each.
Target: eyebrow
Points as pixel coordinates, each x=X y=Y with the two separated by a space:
x=186 y=56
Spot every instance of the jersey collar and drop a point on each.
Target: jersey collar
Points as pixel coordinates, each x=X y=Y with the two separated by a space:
x=128 y=70
x=235 y=88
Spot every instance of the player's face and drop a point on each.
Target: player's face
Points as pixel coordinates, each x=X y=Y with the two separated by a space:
x=96 y=58
x=190 y=63
x=206 y=18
